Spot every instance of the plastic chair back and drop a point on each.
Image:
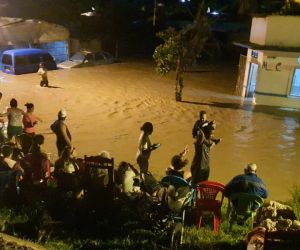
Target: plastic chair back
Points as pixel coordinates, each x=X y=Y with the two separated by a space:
x=209 y=198
x=244 y=204
x=175 y=181
x=210 y=194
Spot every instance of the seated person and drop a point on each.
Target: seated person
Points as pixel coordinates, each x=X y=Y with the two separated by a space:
x=7 y=163
x=65 y=171
x=178 y=162
x=99 y=176
x=24 y=142
x=36 y=161
x=248 y=182
x=126 y=177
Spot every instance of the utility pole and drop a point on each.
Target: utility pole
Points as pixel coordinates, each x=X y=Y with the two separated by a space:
x=154 y=12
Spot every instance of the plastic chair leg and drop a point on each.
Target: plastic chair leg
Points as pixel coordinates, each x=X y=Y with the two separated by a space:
x=199 y=220
x=216 y=222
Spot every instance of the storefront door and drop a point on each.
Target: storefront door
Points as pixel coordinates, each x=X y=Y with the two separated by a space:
x=252 y=79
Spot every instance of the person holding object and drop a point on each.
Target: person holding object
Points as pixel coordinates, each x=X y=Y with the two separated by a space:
x=43 y=72
x=145 y=147
x=200 y=167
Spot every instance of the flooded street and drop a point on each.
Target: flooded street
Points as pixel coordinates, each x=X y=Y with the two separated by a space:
x=107 y=104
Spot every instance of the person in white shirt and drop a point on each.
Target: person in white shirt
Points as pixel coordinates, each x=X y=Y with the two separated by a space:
x=44 y=74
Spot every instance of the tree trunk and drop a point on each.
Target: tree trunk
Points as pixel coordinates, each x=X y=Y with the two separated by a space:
x=179 y=81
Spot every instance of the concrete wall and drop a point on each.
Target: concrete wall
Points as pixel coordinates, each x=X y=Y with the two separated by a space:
x=258 y=31
x=276 y=31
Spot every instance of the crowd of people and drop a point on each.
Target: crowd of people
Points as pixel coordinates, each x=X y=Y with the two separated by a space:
x=22 y=153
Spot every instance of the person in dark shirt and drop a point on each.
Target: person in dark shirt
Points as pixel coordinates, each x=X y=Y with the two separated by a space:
x=199 y=124
x=248 y=182
x=200 y=167
x=63 y=135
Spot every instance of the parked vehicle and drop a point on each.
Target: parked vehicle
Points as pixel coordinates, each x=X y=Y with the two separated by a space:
x=86 y=58
x=27 y=60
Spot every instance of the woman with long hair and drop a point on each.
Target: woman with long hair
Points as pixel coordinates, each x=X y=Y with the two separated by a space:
x=145 y=147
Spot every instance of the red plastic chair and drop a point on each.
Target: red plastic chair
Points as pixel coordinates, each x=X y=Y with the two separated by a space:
x=209 y=198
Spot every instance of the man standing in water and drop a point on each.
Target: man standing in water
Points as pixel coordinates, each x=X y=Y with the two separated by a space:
x=200 y=167
x=63 y=135
x=43 y=73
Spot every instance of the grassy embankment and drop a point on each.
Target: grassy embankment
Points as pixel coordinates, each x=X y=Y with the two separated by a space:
x=59 y=224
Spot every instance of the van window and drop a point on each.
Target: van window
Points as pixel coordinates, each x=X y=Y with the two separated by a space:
x=35 y=59
x=6 y=59
x=47 y=58
x=21 y=60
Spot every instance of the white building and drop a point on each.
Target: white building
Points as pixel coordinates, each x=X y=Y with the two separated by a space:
x=270 y=73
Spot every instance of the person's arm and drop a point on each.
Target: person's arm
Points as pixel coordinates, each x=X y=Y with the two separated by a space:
x=5 y=113
x=195 y=129
x=39 y=119
x=63 y=129
x=136 y=172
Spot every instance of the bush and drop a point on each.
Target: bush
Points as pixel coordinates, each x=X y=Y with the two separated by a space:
x=295 y=202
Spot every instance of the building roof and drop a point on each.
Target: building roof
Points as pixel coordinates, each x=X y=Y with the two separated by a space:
x=26 y=51
x=17 y=30
x=254 y=46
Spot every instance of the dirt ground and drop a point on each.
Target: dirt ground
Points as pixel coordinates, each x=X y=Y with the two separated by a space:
x=107 y=105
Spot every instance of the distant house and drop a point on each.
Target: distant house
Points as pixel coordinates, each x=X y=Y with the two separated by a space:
x=270 y=73
x=20 y=33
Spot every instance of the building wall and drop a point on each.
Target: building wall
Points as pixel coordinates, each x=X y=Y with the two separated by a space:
x=274 y=78
x=276 y=31
x=59 y=50
x=258 y=31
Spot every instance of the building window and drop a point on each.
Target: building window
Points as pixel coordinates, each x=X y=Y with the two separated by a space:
x=295 y=89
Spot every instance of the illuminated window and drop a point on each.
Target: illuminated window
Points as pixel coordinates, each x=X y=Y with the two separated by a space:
x=295 y=89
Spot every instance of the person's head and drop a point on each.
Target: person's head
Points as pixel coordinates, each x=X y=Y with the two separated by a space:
x=147 y=128
x=29 y=106
x=105 y=154
x=42 y=65
x=38 y=139
x=13 y=103
x=250 y=168
x=178 y=162
x=120 y=172
x=6 y=150
x=62 y=114
x=202 y=116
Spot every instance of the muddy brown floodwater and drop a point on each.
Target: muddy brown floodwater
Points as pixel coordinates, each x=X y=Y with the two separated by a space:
x=107 y=104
